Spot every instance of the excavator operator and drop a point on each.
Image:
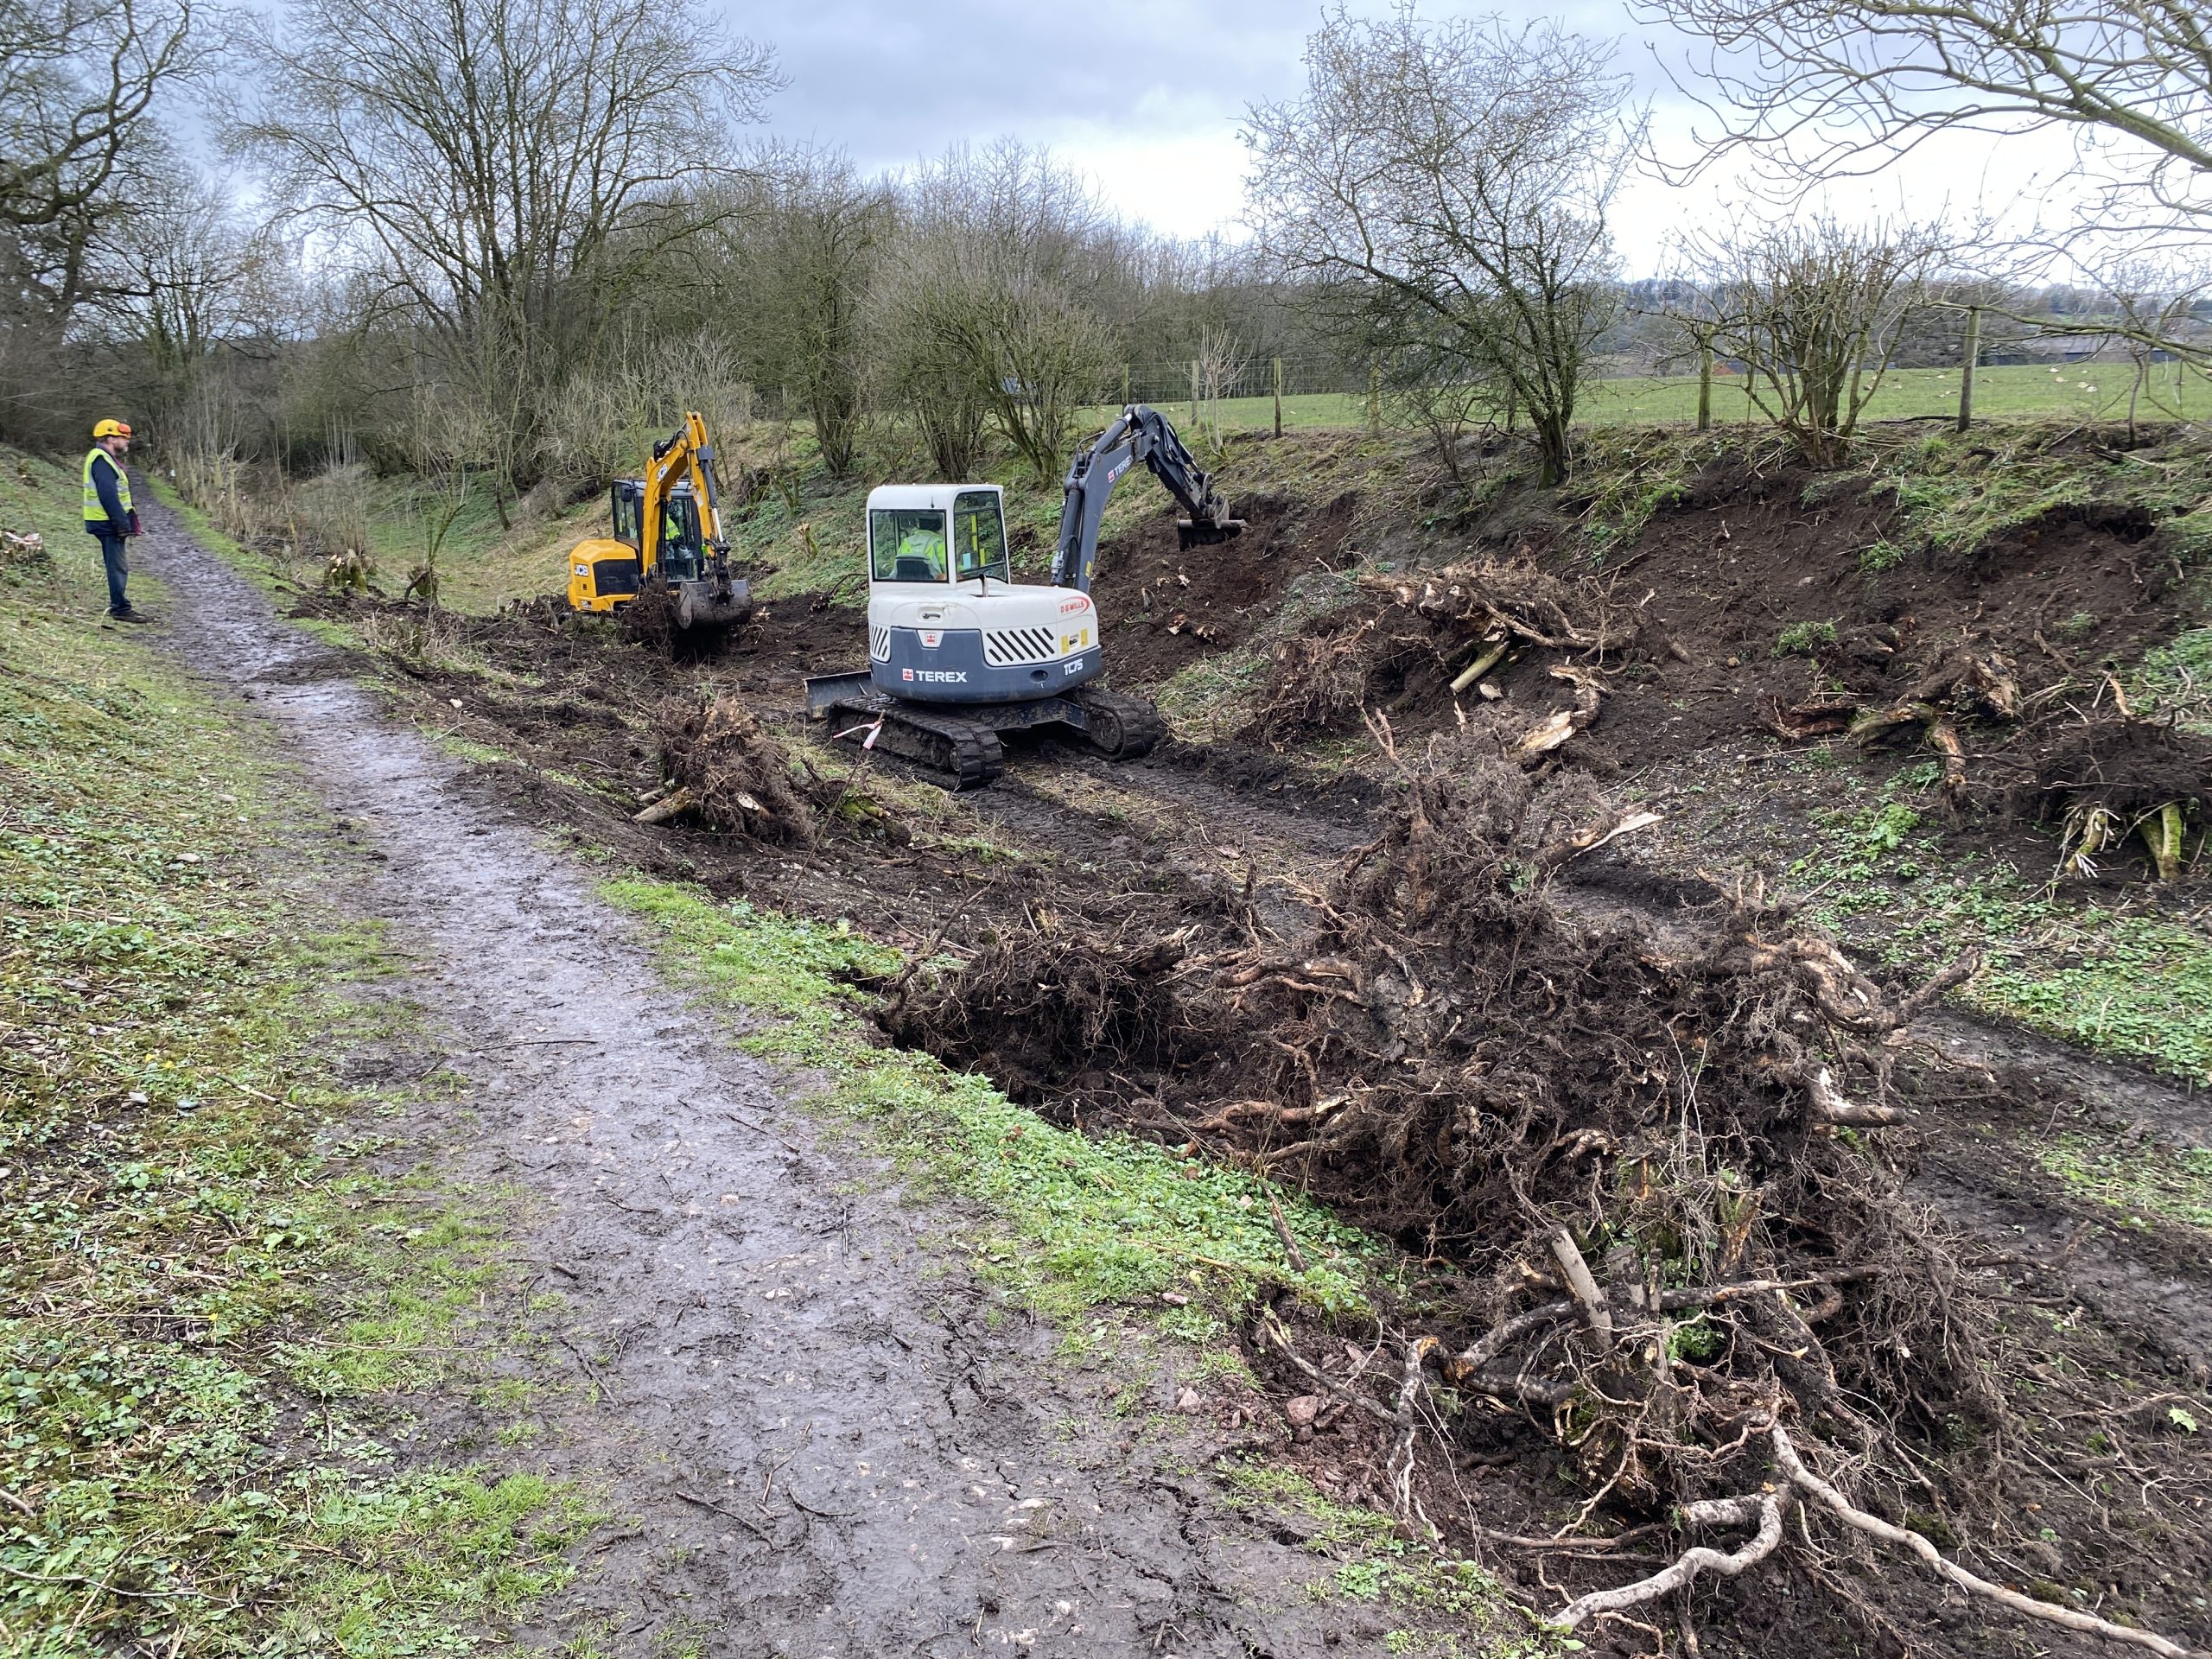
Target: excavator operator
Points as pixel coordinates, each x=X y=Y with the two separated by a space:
x=923 y=545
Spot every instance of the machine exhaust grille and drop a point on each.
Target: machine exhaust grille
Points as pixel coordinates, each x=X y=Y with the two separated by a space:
x=1004 y=647
x=879 y=644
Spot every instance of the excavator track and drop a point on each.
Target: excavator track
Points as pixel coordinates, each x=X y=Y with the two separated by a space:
x=968 y=751
x=965 y=743
x=1120 y=727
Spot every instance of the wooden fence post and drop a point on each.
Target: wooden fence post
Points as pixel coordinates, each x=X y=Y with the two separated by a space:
x=1194 y=394
x=1125 y=385
x=1966 y=366
x=1278 y=363
x=1705 y=381
x=1373 y=397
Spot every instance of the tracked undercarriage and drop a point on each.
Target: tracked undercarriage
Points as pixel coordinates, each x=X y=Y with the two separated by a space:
x=963 y=741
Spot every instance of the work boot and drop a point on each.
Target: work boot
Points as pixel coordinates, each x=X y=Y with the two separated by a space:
x=127 y=614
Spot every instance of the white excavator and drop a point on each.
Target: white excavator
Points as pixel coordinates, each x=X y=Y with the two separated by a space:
x=959 y=652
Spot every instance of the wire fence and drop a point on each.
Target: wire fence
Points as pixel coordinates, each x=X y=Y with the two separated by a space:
x=1167 y=383
x=1171 y=383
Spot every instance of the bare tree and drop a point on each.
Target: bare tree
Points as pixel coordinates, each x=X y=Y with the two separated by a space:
x=77 y=78
x=1222 y=361
x=1436 y=391
x=988 y=311
x=1821 y=88
x=2151 y=303
x=615 y=407
x=1815 y=310
x=811 y=255
x=1448 y=184
x=510 y=167
x=182 y=279
x=924 y=318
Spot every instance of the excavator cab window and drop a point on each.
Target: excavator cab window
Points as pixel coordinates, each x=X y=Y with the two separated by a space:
x=906 y=543
x=629 y=503
x=681 y=556
x=978 y=537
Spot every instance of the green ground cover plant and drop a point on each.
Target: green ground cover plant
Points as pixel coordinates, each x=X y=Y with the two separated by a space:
x=2133 y=985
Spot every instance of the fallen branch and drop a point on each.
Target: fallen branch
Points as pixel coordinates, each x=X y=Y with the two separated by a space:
x=668 y=806
x=1462 y=1367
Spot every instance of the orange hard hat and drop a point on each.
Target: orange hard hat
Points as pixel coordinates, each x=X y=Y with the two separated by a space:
x=112 y=429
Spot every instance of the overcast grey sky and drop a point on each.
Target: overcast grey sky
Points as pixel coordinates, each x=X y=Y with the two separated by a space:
x=1145 y=96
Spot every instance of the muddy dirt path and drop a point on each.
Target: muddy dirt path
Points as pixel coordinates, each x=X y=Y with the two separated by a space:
x=818 y=1446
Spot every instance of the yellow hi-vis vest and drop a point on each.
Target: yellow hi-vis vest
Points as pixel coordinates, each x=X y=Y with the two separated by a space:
x=94 y=513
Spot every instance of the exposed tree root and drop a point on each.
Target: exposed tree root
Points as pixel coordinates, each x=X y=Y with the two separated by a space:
x=1765 y=1510
x=1405 y=640
x=2104 y=779
x=735 y=774
x=1666 y=1172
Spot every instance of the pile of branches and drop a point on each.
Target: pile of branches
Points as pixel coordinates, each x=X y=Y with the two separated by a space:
x=1408 y=641
x=729 y=770
x=1680 y=1246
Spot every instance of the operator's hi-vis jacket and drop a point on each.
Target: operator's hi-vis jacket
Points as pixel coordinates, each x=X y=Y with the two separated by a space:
x=107 y=494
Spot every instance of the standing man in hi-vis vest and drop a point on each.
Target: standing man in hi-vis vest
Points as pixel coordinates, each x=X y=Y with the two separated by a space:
x=108 y=515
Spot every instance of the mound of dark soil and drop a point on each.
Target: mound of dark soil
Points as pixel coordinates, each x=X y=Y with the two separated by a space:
x=786 y=639
x=1753 y=555
x=2127 y=767
x=1163 y=609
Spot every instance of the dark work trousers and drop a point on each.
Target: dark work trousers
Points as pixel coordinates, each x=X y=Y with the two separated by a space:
x=118 y=569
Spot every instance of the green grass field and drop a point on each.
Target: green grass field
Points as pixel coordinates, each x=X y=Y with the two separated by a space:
x=2080 y=390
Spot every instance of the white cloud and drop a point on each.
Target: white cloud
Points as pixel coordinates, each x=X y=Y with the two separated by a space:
x=1146 y=98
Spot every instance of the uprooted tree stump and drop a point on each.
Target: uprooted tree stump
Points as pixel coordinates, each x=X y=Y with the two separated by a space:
x=733 y=772
x=1434 y=636
x=1663 y=1172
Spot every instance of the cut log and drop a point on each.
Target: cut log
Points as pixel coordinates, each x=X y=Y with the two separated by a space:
x=667 y=807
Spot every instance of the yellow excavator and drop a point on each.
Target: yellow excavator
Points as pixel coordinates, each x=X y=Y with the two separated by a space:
x=667 y=540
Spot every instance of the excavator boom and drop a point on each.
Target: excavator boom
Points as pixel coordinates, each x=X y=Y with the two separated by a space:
x=1138 y=433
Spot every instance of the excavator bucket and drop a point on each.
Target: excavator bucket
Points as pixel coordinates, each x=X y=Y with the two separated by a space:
x=712 y=604
x=1191 y=533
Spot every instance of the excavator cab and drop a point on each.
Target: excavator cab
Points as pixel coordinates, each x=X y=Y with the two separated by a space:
x=667 y=536
x=683 y=550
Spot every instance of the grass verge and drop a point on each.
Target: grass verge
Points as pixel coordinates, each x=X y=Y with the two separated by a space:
x=1060 y=1221
x=211 y=1310
x=2135 y=985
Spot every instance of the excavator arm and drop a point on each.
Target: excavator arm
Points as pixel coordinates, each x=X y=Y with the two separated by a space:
x=1138 y=433
x=685 y=455
x=708 y=596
